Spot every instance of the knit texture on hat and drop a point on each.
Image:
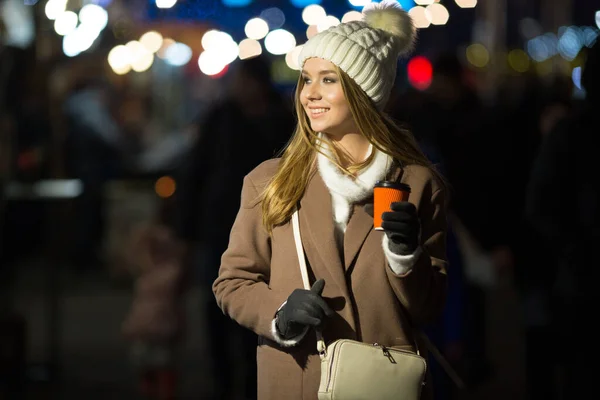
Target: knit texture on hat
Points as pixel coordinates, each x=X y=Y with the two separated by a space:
x=366 y=50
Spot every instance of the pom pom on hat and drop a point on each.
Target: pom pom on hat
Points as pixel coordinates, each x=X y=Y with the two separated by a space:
x=367 y=50
x=391 y=18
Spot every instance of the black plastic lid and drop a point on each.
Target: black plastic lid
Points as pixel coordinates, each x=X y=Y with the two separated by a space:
x=394 y=185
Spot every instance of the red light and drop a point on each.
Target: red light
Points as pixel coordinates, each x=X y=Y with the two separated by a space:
x=220 y=74
x=419 y=72
x=28 y=159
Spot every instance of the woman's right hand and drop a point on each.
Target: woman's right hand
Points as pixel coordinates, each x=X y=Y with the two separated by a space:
x=303 y=308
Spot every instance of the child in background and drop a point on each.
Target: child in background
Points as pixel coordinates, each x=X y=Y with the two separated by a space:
x=154 y=324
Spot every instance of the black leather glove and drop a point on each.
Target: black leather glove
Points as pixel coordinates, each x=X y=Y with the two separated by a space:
x=303 y=308
x=401 y=225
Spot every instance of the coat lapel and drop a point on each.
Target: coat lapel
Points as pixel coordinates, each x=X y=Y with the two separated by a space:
x=361 y=224
x=359 y=227
x=317 y=232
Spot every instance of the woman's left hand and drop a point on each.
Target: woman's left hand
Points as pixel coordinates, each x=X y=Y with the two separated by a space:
x=402 y=227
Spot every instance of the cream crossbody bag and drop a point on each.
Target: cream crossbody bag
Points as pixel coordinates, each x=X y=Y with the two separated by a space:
x=353 y=370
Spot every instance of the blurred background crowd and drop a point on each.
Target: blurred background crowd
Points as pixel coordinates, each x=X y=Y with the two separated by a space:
x=126 y=127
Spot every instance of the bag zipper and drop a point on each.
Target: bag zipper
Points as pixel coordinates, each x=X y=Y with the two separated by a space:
x=331 y=366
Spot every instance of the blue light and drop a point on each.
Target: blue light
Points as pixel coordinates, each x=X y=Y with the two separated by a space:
x=576 y=76
x=102 y=3
x=274 y=16
x=178 y=54
x=359 y=3
x=236 y=3
x=304 y=3
x=407 y=4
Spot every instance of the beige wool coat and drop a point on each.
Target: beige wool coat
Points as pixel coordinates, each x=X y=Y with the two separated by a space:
x=258 y=272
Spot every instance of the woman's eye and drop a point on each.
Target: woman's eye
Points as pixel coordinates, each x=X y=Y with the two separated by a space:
x=306 y=80
x=328 y=80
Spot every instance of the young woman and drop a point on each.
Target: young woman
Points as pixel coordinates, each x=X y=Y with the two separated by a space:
x=373 y=286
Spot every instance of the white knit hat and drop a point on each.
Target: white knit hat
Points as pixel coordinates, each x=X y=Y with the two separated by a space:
x=367 y=50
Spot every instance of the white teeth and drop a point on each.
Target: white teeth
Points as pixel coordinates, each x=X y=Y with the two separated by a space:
x=316 y=111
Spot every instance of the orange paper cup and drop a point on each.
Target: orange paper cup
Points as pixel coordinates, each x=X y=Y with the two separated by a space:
x=384 y=194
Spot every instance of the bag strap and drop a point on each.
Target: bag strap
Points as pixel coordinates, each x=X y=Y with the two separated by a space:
x=322 y=348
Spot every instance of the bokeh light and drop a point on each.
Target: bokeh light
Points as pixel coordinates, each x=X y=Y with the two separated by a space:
x=54 y=8
x=304 y=3
x=165 y=187
x=478 y=55
x=256 y=28
x=359 y=3
x=274 y=17
x=352 y=16
x=166 y=43
x=119 y=59
x=236 y=3
x=327 y=23
x=518 y=60
x=211 y=62
x=313 y=14
x=249 y=48
x=438 y=14
x=165 y=3
x=178 y=54
x=420 y=72
x=279 y=42
x=420 y=16
x=466 y=3
x=311 y=31
x=152 y=41
x=291 y=58
x=576 y=77
x=65 y=23
x=94 y=16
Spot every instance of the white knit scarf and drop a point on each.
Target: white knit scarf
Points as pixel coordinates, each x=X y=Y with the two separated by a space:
x=345 y=190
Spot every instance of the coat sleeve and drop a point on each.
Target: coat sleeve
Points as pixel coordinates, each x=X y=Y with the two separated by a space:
x=242 y=287
x=422 y=290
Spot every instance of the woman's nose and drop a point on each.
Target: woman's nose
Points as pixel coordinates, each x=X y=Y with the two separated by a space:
x=313 y=93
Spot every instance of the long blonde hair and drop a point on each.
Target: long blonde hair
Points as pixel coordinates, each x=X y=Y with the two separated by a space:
x=297 y=164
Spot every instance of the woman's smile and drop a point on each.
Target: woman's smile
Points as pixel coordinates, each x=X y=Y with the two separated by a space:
x=317 y=112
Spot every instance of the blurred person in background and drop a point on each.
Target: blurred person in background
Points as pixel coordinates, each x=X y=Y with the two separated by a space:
x=91 y=139
x=527 y=107
x=24 y=133
x=450 y=332
x=563 y=206
x=534 y=267
x=95 y=148
x=155 y=323
x=496 y=240
x=251 y=125
x=448 y=120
